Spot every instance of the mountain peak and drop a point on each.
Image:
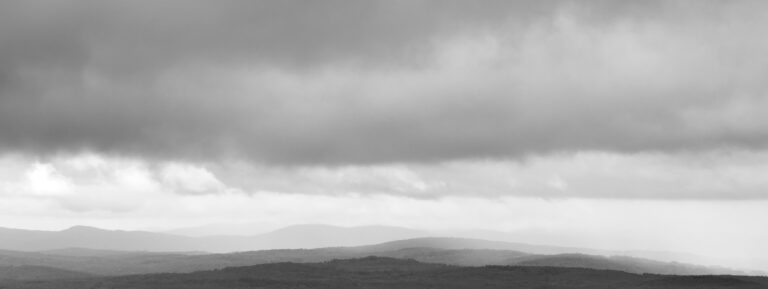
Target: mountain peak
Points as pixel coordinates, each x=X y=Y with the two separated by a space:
x=79 y=228
x=310 y=227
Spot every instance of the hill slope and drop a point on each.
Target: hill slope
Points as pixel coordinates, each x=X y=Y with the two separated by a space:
x=301 y=236
x=38 y=273
x=445 y=251
x=377 y=272
x=467 y=243
x=619 y=263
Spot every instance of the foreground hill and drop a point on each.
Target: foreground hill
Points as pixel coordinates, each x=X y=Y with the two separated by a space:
x=450 y=251
x=377 y=272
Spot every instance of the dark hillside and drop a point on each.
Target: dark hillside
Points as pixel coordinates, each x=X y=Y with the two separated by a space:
x=378 y=272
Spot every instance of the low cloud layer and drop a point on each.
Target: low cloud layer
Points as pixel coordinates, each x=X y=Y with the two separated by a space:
x=358 y=83
x=92 y=183
x=125 y=194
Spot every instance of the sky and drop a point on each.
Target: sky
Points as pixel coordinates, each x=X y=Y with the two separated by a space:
x=607 y=124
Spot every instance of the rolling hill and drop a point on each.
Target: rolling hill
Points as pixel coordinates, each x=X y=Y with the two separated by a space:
x=38 y=273
x=378 y=272
x=619 y=263
x=468 y=243
x=451 y=251
x=294 y=237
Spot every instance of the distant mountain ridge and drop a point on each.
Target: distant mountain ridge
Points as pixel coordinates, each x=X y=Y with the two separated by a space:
x=292 y=237
x=90 y=242
x=300 y=236
x=450 y=251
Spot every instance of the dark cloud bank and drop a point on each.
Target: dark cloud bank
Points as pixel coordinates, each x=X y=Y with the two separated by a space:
x=338 y=82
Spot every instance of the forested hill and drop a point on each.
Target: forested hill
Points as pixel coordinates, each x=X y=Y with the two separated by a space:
x=378 y=272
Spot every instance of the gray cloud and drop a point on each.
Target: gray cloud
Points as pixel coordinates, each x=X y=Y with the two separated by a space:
x=292 y=82
x=719 y=175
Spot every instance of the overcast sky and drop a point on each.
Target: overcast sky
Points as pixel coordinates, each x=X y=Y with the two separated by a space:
x=617 y=124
